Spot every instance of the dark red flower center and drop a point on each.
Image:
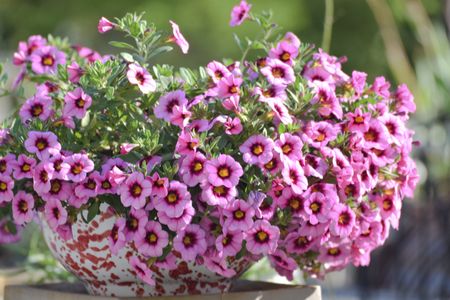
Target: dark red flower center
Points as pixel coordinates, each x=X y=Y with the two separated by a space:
x=189 y=239
x=22 y=206
x=261 y=236
x=48 y=60
x=135 y=190
x=36 y=110
x=41 y=143
x=151 y=238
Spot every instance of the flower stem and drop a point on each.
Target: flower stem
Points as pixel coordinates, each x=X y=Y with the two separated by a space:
x=328 y=25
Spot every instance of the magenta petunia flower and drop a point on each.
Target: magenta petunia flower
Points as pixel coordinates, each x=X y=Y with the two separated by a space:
x=358 y=121
x=294 y=176
x=6 y=235
x=317 y=208
x=217 y=71
x=135 y=224
x=281 y=111
x=283 y=264
x=358 y=81
x=104 y=25
x=22 y=208
x=262 y=238
x=239 y=13
x=42 y=174
x=160 y=185
x=59 y=190
x=233 y=126
x=79 y=165
x=186 y=143
x=404 y=100
x=297 y=243
x=135 y=190
x=376 y=136
x=165 y=108
x=190 y=242
x=178 y=223
x=87 y=188
x=26 y=49
x=285 y=52
x=278 y=73
x=46 y=59
x=75 y=72
x=229 y=87
x=176 y=200
x=42 y=143
x=180 y=116
x=178 y=38
x=38 y=106
x=117 y=238
x=55 y=213
x=104 y=184
x=139 y=76
x=257 y=150
x=61 y=168
x=76 y=103
x=293 y=201
x=229 y=243
x=217 y=195
x=319 y=134
x=289 y=146
x=381 y=87
x=6 y=189
x=153 y=241
x=24 y=166
x=238 y=216
x=8 y=164
x=143 y=272
x=218 y=264
x=192 y=169
x=342 y=220
x=223 y=170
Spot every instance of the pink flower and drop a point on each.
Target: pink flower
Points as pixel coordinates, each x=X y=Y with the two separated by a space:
x=88 y=54
x=239 y=13
x=229 y=243
x=167 y=263
x=186 y=143
x=55 y=213
x=135 y=225
x=38 y=106
x=262 y=238
x=283 y=264
x=342 y=220
x=358 y=81
x=289 y=146
x=46 y=59
x=42 y=175
x=229 y=86
x=278 y=73
x=115 y=162
x=88 y=187
x=223 y=170
x=294 y=176
x=217 y=195
x=281 y=112
x=192 y=169
x=232 y=126
x=272 y=93
x=8 y=164
x=160 y=185
x=65 y=231
x=117 y=238
x=24 y=166
x=127 y=148
x=143 y=272
x=232 y=103
x=334 y=254
x=297 y=243
x=75 y=72
x=257 y=150
x=104 y=184
x=285 y=52
x=381 y=87
x=180 y=116
x=404 y=100
x=178 y=38
x=178 y=223
x=104 y=25
x=239 y=216
x=217 y=71
x=165 y=108
x=153 y=241
x=376 y=136
x=214 y=262
x=176 y=200
x=22 y=208
x=60 y=167
x=6 y=235
x=79 y=166
x=318 y=134
x=59 y=190
x=25 y=49
x=135 y=190
x=76 y=103
x=190 y=242
x=43 y=144
x=317 y=208
x=292 y=39
x=358 y=121
x=293 y=201
x=139 y=76
x=6 y=189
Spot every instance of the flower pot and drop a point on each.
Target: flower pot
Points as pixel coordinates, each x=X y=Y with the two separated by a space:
x=89 y=258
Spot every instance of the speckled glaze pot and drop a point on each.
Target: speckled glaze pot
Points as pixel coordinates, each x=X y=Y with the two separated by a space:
x=88 y=257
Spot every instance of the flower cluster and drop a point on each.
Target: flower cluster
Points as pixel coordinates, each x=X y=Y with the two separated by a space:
x=284 y=156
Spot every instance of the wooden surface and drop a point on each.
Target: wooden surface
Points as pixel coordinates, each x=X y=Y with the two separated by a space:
x=242 y=290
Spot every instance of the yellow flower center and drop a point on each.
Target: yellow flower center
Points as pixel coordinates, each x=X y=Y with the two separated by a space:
x=315 y=206
x=219 y=190
x=224 y=172
x=198 y=166
x=294 y=203
x=172 y=197
x=152 y=238
x=334 y=251
x=262 y=236
x=257 y=149
x=239 y=214
x=359 y=120
x=3 y=186
x=320 y=138
x=26 y=167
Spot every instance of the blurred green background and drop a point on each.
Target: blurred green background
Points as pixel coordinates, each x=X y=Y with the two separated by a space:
x=405 y=40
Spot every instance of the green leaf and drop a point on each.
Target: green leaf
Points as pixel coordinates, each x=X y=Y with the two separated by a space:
x=127 y=57
x=160 y=50
x=122 y=45
x=238 y=41
x=93 y=210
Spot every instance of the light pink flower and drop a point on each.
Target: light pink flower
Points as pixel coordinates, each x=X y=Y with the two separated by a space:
x=178 y=38
x=298 y=244
x=104 y=25
x=190 y=242
x=214 y=262
x=43 y=144
x=55 y=213
x=22 y=208
x=229 y=87
x=6 y=189
x=76 y=103
x=135 y=190
x=88 y=187
x=342 y=220
x=285 y=52
x=127 y=148
x=317 y=208
x=283 y=264
x=45 y=60
x=180 y=116
x=42 y=175
x=165 y=108
x=278 y=73
x=75 y=72
x=289 y=146
x=176 y=200
x=160 y=185
x=38 y=106
x=192 y=169
x=117 y=238
x=239 y=13
x=79 y=166
x=294 y=176
x=135 y=224
x=262 y=238
x=24 y=166
x=143 y=272
x=217 y=195
x=153 y=241
x=257 y=150
x=186 y=143
x=139 y=76
x=233 y=126
x=8 y=164
x=26 y=49
x=178 y=223
x=217 y=71
x=223 y=170
x=238 y=216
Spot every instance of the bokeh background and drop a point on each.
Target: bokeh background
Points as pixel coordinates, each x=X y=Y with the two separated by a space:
x=405 y=40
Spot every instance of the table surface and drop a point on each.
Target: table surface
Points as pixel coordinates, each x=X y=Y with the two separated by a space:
x=241 y=290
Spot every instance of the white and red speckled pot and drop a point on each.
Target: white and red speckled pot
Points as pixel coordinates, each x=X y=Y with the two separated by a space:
x=88 y=257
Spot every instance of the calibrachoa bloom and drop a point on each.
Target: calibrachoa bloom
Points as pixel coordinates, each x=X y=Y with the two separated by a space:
x=139 y=76
x=190 y=242
x=76 y=103
x=285 y=156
